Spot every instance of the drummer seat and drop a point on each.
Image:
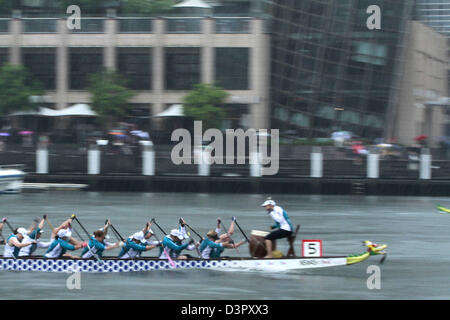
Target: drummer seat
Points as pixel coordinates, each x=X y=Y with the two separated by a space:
x=291 y=240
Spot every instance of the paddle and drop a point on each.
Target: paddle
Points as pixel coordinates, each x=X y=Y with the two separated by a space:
x=223 y=226
x=383 y=258
x=189 y=234
x=243 y=233
x=9 y=225
x=161 y=229
x=172 y=263
x=116 y=233
x=74 y=217
x=201 y=238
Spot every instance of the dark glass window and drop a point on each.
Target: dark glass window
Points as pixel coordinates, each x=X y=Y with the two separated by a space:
x=182 y=68
x=232 y=68
x=135 y=65
x=84 y=61
x=40 y=62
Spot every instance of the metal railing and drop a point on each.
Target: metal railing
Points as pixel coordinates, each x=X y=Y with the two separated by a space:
x=184 y=25
x=90 y=25
x=232 y=25
x=135 y=25
x=40 y=25
x=4 y=25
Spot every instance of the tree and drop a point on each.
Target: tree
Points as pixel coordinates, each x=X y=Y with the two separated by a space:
x=16 y=88
x=109 y=95
x=205 y=102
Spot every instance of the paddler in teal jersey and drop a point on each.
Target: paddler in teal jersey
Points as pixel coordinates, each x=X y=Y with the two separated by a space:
x=97 y=245
x=214 y=245
x=14 y=243
x=2 y=239
x=34 y=235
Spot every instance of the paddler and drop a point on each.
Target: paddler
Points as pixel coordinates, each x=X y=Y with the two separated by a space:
x=14 y=243
x=213 y=245
x=2 y=239
x=136 y=244
x=61 y=244
x=34 y=235
x=283 y=226
x=172 y=245
x=97 y=245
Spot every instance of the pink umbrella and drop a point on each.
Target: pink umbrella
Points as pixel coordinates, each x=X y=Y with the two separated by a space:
x=25 y=132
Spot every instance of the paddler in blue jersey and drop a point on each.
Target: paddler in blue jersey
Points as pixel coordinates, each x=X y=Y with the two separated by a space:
x=61 y=245
x=14 y=243
x=172 y=245
x=283 y=226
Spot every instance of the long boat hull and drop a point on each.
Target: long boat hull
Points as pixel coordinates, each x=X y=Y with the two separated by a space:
x=149 y=264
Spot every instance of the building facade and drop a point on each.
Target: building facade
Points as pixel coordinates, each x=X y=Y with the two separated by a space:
x=330 y=72
x=162 y=58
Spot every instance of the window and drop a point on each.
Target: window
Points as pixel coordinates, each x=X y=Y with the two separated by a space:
x=232 y=68
x=40 y=62
x=135 y=66
x=84 y=61
x=182 y=68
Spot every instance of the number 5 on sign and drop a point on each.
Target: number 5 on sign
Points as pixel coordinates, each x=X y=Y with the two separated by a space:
x=311 y=248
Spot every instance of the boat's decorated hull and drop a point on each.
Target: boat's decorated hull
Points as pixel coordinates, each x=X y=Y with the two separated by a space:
x=148 y=264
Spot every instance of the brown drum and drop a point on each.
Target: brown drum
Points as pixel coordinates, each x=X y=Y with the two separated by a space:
x=257 y=244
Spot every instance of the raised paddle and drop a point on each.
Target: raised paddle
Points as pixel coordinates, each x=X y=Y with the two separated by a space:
x=243 y=233
x=189 y=235
x=156 y=224
x=201 y=238
x=116 y=233
x=74 y=217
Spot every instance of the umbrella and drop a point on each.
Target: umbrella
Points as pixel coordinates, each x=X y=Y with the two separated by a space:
x=420 y=138
x=25 y=132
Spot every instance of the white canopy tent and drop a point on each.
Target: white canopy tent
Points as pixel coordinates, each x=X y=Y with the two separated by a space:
x=82 y=110
x=193 y=4
x=175 y=110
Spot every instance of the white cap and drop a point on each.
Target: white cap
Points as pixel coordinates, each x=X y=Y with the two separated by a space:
x=268 y=202
x=176 y=233
x=139 y=236
x=22 y=231
x=63 y=233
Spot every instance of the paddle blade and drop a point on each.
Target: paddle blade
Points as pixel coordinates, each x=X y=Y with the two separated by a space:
x=383 y=258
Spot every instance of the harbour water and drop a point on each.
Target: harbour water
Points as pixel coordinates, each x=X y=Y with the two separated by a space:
x=417 y=266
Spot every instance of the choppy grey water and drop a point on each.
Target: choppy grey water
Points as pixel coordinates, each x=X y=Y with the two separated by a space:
x=417 y=266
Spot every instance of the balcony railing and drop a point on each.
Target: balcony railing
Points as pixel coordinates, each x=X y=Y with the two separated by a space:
x=135 y=25
x=232 y=25
x=4 y=25
x=39 y=25
x=90 y=25
x=183 y=25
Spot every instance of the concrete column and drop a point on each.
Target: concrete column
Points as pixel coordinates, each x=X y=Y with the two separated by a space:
x=42 y=160
x=111 y=27
x=207 y=52
x=15 y=24
x=158 y=69
x=316 y=163
x=373 y=165
x=425 y=164
x=62 y=66
x=203 y=159
x=94 y=160
x=259 y=73
x=255 y=164
x=148 y=158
